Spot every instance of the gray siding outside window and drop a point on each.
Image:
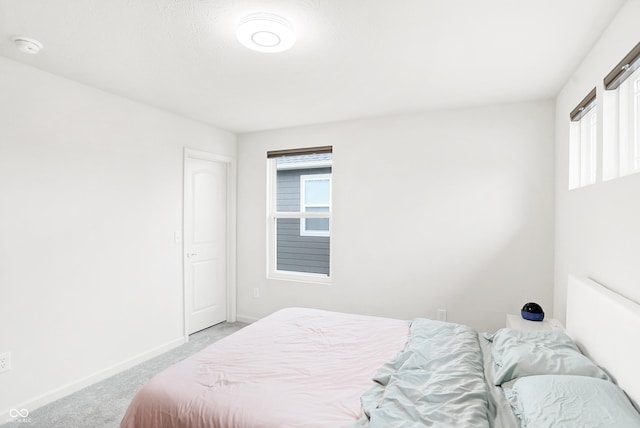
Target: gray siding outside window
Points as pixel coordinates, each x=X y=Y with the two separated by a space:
x=297 y=253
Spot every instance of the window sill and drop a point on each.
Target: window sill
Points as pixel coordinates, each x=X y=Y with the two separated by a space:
x=308 y=278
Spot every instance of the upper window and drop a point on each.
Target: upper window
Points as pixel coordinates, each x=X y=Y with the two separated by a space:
x=315 y=196
x=299 y=205
x=621 y=145
x=629 y=114
x=583 y=143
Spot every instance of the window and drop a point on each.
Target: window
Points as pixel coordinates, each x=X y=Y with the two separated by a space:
x=583 y=143
x=315 y=196
x=299 y=220
x=621 y=145
x=629 y=114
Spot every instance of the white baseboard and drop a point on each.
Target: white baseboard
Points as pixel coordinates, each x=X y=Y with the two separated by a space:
x=77 y=385
x=247 y=319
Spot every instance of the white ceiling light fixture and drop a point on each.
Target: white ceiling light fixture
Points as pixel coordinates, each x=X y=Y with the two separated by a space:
x=266 y=32
x=27 y=45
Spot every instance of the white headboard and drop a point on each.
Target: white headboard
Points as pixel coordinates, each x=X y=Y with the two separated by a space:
x=606 y=327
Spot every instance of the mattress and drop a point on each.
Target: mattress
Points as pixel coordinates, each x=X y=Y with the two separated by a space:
x=296 y=367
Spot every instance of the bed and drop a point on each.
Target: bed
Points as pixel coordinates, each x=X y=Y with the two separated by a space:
x=296 y=367
x=310 y=368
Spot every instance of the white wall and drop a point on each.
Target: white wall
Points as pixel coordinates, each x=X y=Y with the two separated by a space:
x=597 y=227
x=90 y=197
x=450 y=209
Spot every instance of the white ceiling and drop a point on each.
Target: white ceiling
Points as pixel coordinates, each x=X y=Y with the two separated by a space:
x=353 y=58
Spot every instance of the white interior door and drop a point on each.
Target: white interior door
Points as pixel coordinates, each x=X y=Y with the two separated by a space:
x=205 y=243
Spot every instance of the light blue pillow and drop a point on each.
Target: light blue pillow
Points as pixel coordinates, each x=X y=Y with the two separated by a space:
x=528 y=353
x=571 y=402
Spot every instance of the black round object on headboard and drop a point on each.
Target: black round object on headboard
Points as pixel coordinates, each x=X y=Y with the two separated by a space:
x=532 y=311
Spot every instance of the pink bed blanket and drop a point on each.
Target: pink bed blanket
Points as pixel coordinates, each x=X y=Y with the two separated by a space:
x=294 y=368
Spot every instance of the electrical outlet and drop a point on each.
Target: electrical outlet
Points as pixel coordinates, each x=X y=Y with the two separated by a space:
x=5 y=362
x=442 y=314
x=256 y=293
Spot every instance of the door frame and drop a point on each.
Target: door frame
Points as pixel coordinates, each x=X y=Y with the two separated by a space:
x=230 y=233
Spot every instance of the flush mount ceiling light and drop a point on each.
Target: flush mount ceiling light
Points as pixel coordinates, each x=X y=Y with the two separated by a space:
x=265 y=32
x=27 y=45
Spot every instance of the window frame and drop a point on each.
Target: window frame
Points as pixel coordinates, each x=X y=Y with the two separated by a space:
x=272 y=218
x=303 y=221
x=621 y=117
x=636 y=121
x=629 y=124
x=588 y=147
x=583 y=142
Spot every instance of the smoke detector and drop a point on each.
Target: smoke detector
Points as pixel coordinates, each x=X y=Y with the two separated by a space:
x=27 y=45
x=265 y=32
